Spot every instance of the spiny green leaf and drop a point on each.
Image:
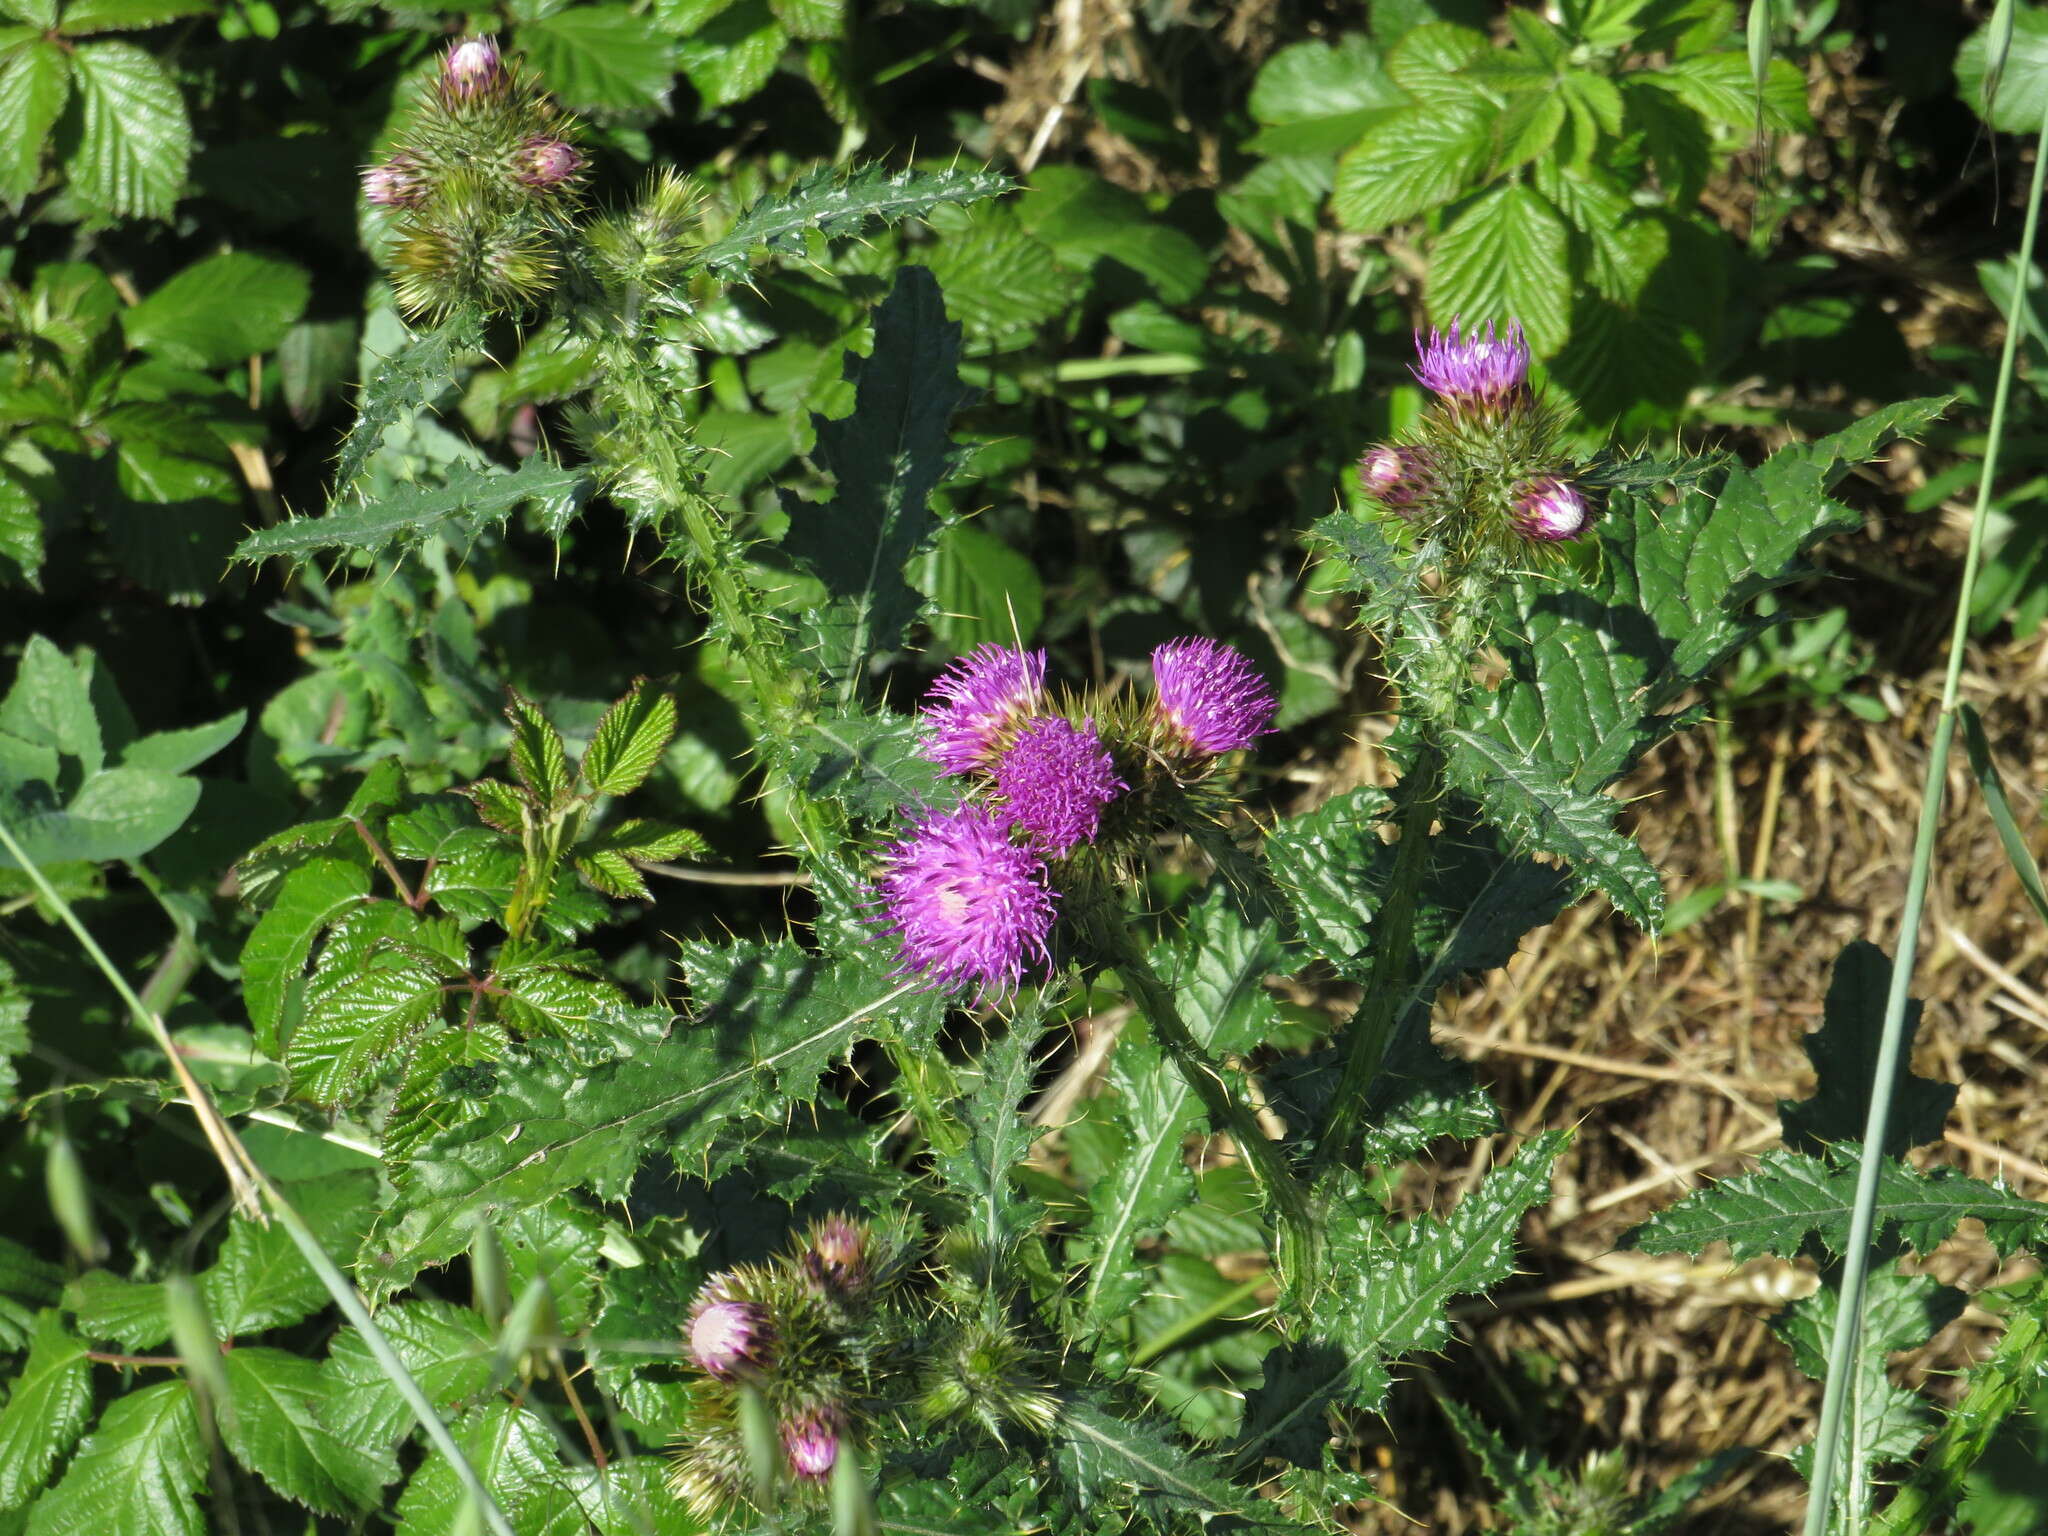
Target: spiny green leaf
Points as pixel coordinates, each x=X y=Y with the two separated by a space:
x=999 y=1137
x=274 y=1431
x=47 y=1404
x=1844 y=1055
x=873 y=765
x=830 y=202
x=629 y=740
x=401 y=384
x=466 y=500
x=1791 y=1196
x=137 y=1471
x=1098 y=1453
x=886 y=459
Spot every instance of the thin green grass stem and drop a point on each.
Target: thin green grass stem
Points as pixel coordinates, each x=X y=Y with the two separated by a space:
x=245 y=1177
x=1863 y=1217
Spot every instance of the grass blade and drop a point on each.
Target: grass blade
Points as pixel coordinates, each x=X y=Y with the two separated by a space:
x=2009 y=833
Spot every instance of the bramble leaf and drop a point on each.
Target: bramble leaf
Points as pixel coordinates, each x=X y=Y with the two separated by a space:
x=629 y=740
x=448 y=1350
x=275 y=1432
x=313 y=896
x=135 y=139
x=137 y=1471
x=47 y=1404
x=220 y=310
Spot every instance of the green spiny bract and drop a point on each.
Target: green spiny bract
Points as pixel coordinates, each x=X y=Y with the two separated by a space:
x=841 y=1348
x=483 y=182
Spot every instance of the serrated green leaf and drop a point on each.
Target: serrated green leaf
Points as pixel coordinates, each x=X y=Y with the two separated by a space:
x=1718 y=86
x=47 y=1404
x=886 y=458
x=543 y=998
x=260 y=1280
x=313 y=896
x=449 y=1351
x=733 y=54
x=1000 y=282
x=998 y=1137
x=50 y=706
x=1084 y=219
x=1317 y=98
x=359 y=1024
x=1504 y=257
x=118 y=813
x=2022 y=84
x=981 y=589
x=21 y=530
x=629 y=740
x=1410 y=160
x=132 y=1313
x=27 y=1283
x=467 y=500
x=220 y=310
x=499 y=804
x=1844 y=1055
x=1791 y=1196
x=538 y=756
x=136 y=140
x=35 y=83
x=137 y=1471
x=587 y=1112
x=834 y=203
x=872 y=765
x=512 y=1451
x=87 y=16
x=1099 y=1454
x=275 y=1433
x=180 y=751
x=600 y=58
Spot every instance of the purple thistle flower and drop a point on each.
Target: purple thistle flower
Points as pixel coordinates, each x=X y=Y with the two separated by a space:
x=397 y=183
x=967 y=904
x=1211 y=694
x=1055 y=780
x=1549 y=509
x=1396 y=476
x=471 y=69
x=1474 y=369
x=545 y=164
x=981 y=695
x=727 y=1337
x=810 y=1438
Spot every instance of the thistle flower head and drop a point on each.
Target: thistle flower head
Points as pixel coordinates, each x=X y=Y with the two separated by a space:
x=1474 y=369
x=728 y=1337
x=397 y=183
x=966 y=903
x=546 y=163
x=1549 y=509
x=1210 y=695
x=1396 y=475
x=810 y=1438
x=471 y=71
x=980 y=698
x=835 y=1255
x=1055 y=778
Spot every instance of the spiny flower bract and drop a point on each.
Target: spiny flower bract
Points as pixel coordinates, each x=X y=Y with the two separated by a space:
x=1211 y=694
x=967 y=904
x=979 y=698
x=1055 y=778
x=1397 y=475
x=1549 y=509
x=1474 y=368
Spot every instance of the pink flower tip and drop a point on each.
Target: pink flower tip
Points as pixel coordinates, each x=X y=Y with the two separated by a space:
x=976 y=701
x=1055 y=779
x=1211 y=694
x=397 y=183
x=471 y=69
x=1397 y=477
x=836 y=1258
x=810 y=1438
x=1549 y=509
x=968 y=906
x=1474 y=368
x=728 y=1337
x=545 y=164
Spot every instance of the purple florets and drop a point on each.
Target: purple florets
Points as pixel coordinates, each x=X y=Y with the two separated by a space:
x=545 y=164
x=471 y=69
x=1397 y=477
x=1474 y=369
x=1211 y=694
x=397 y=183
x=727 y=1337
x=1055 y=779
x=1549 y=509
x=980 y=698
x=810 y=1437
x=967 y=904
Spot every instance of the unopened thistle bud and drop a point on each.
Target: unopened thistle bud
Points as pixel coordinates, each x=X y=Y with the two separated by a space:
x=728 y=1338
x=1549 y=509
x=1473 y=370
x=547 y=164
x=810 y=1438
x=836 y=1256
x=1397 y=477
x=397 y=183
x=472 y=71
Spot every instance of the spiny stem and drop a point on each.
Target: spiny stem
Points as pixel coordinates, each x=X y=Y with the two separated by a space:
x=1891 y=1044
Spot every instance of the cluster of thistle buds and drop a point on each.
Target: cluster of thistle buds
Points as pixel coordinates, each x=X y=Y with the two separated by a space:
x=482 y=186
x=1481 y=467
x=836 y=1345
x=972 y=894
